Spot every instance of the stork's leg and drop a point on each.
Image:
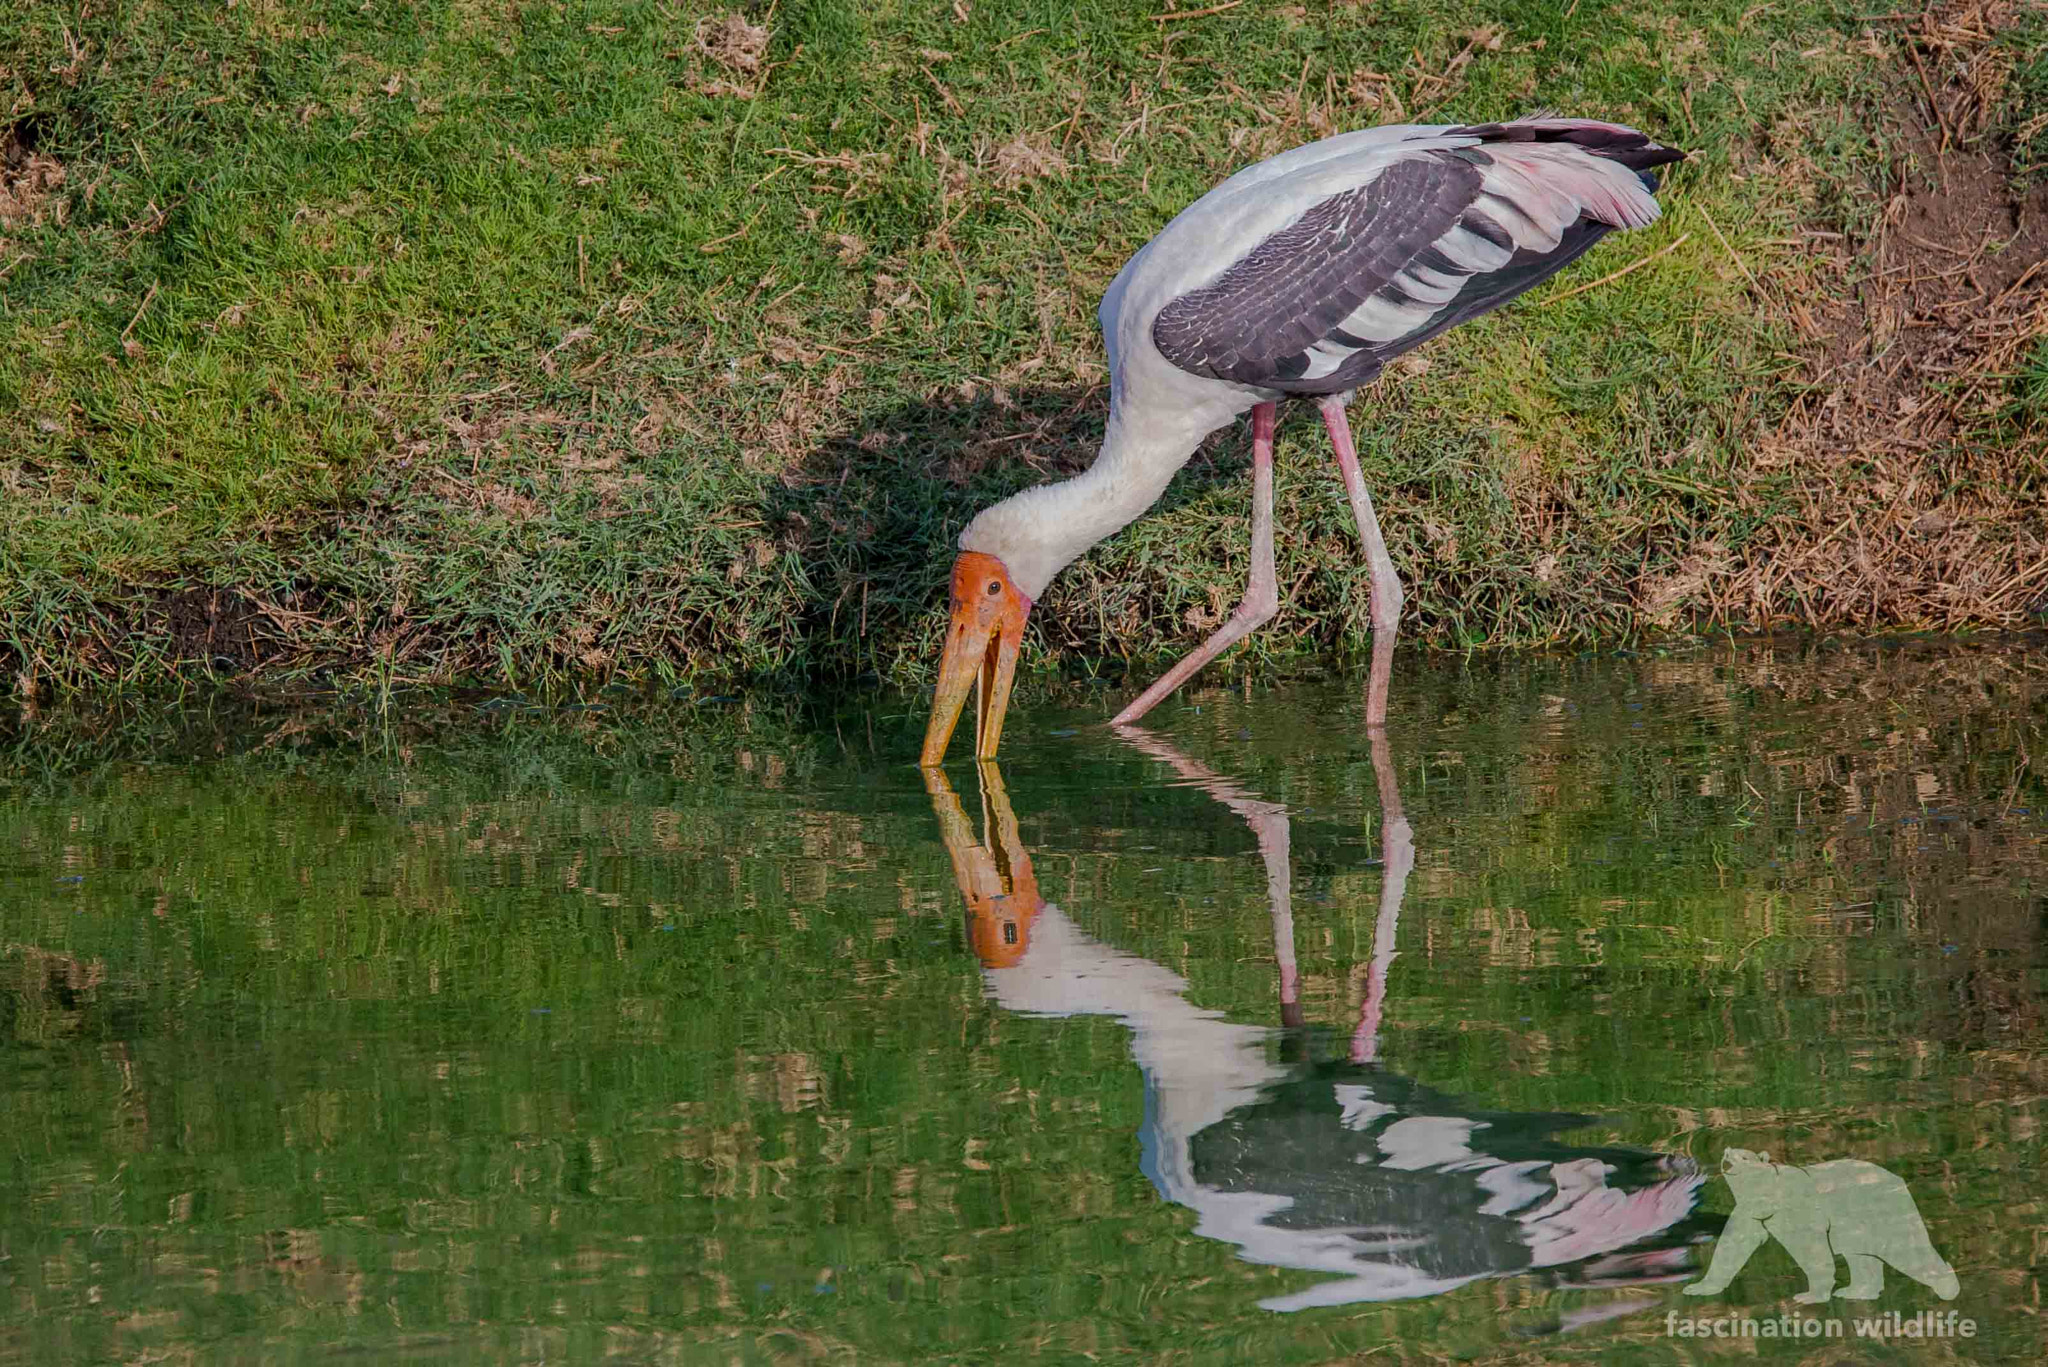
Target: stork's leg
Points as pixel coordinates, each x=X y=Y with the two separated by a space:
x=1261 y=595
x=1386 y=584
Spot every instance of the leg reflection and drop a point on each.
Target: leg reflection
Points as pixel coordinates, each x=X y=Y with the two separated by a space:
x=1268 y=822
x=1397 y=857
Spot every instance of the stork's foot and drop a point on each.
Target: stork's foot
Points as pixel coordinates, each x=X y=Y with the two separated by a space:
x=1255 y=611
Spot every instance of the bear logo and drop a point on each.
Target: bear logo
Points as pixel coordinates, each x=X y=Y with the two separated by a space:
x=1846 y=1207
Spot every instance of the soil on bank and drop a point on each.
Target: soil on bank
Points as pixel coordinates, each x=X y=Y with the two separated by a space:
x=1922 y=494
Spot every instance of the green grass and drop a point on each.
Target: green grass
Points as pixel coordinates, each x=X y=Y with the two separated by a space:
x=2025 y=111
x=443 y=339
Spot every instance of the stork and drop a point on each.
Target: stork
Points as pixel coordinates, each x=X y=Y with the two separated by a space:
x=1302 y=275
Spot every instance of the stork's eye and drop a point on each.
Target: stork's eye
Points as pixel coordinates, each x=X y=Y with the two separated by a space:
x=994 y=588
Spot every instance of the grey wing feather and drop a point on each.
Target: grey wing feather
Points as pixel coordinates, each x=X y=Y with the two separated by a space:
x=1256 y=324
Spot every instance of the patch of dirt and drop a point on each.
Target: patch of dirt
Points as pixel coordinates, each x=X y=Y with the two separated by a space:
x=29 y=179
x=1921 y=505
x=211 y=627
x=212 y=631
x=735 y=48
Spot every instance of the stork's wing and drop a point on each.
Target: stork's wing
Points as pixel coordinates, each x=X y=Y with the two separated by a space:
x=1467 y=221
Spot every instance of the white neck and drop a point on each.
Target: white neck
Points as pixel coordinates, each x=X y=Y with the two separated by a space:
x=1041 y=531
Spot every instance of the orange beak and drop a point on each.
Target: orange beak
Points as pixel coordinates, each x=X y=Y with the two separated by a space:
x=981 y=653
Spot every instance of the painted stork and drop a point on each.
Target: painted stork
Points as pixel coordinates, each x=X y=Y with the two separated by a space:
x=1302 y=275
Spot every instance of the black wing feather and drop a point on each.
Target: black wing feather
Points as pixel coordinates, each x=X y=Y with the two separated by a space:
x=1632 y=149
x=1292 y=290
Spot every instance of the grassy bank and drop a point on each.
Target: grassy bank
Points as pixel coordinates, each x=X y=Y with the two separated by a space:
x=435 y=340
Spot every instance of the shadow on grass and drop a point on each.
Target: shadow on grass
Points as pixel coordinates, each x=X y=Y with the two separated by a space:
x=873 y=514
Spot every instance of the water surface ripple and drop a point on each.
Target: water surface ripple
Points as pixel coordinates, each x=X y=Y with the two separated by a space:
x=689 y=1029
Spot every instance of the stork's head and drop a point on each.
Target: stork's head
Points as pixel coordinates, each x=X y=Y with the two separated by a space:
x=989 y=611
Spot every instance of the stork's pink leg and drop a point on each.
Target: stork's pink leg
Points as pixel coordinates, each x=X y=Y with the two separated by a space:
x=1386 y=584
x=1261 y=595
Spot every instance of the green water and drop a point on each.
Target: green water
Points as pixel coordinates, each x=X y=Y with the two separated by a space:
x=660 y=1032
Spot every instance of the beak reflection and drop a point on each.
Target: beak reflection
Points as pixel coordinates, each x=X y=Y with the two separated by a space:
x=994 y=874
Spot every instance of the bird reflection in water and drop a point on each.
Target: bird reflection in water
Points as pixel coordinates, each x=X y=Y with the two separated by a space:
x=1343 y=1167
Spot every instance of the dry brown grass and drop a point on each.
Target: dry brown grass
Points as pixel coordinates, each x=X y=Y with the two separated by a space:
x=28 y=181
x=735 y=51
x=1910 y=510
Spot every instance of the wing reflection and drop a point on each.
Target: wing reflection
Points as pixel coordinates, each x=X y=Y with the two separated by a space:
x=1343 y=1167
